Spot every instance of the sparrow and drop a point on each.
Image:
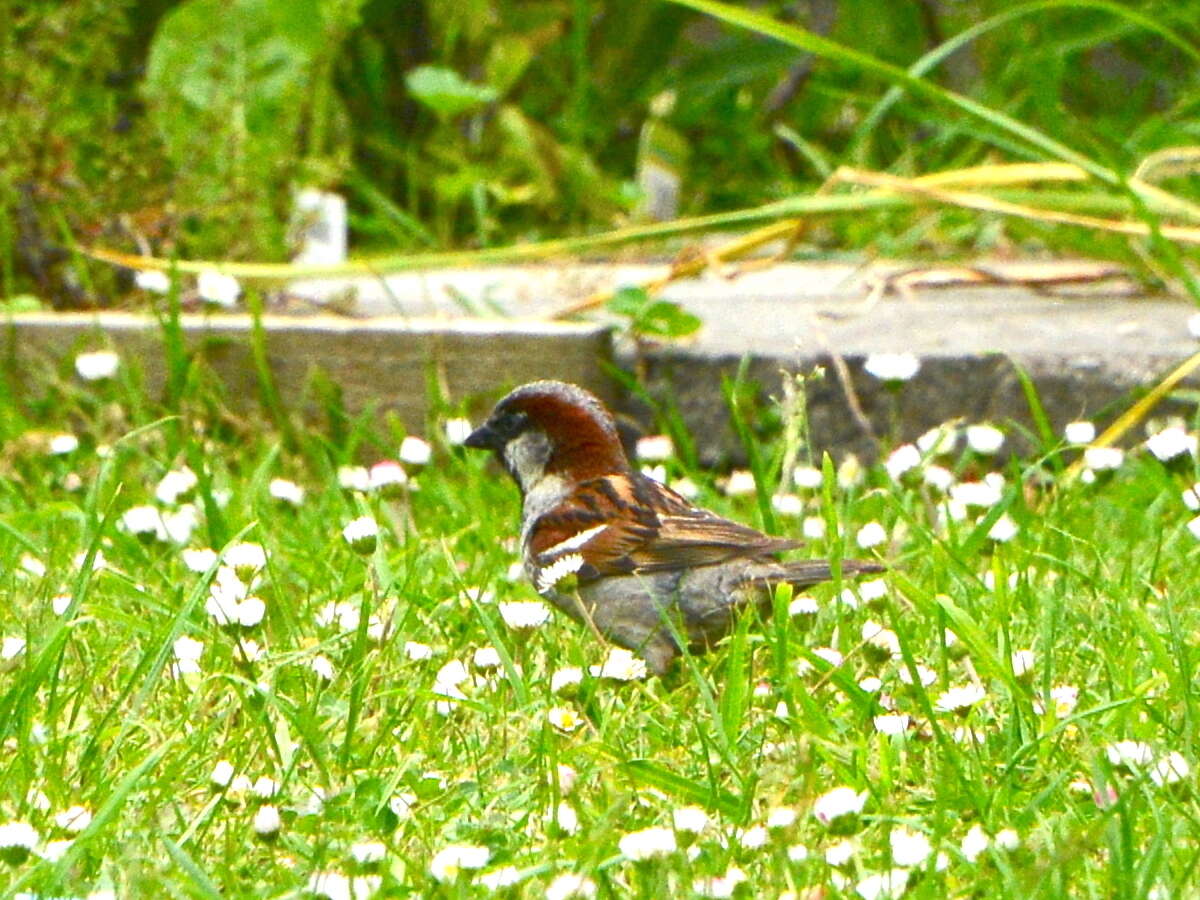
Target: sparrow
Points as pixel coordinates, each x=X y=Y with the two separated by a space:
x=616 y=550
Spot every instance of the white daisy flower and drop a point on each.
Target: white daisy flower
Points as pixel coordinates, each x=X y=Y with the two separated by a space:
x=850 y=473
x=803 y=605
x=386 y=477
x=1080 y=433
x=909 y=848
x=548 y=577
x=1004 y=529
x=566 y=680
x=985 y=440
x=526 y=614
x=753 y=838
x=620 y=665
x=1170 y=769
x=217 y=287
x=62 y=444
x=1171 y=443
x=417 y=651
x=265 y=787
x=1193 y=325
x=323 y=667
x=939 y=478
x=368 y=853
x=808 y=478
x=362 y=534
x=17 y=839
x=839 y=854
x=1006 y=839
x=175 y=486
x=781 y=817
x=198 y=560
x=564 y=719
x=266 y=821
x=152 y=280
x=787 y=504
x=686 y=488
x=74 y=819
x=286 y=491
x=740 y=483
x=1103 y=459
x=720 y=886
x=565 y=819
x=144 y=522
x=975 y=843
x=501 y=878
x=813 y=528
x=1023 y=662
x=839 y=802
x=402 y=804
x=902 y=460
x=414 y=451
x=892 y=367
x=689 y=819
x=222 y=773
x=980 y=494
x=655 y=448
x=354 y=478
x=925 y=675
x=960 y=699
x=486 y=658
x=457 y=431
x=891 y=724
x=31 y=565
x=97 y=366
x=938 y=441
x=245 y=559
x=870 y=535
x=570 y=885
x=887 y=885
x=1133 y=755
x=881 y=643
x=648 y=843
x=449 y=861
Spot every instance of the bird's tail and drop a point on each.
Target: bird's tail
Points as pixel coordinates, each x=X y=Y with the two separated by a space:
x=804 y=572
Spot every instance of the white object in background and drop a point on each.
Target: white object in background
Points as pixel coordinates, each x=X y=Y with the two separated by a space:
x=322 y=216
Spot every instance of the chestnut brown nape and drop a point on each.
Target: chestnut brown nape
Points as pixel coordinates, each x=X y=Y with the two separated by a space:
x=580 y=427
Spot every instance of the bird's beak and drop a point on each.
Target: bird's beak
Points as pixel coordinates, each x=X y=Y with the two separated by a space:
x=483 y=438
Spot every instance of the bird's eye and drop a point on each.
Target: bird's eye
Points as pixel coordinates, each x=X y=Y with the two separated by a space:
x=509 y=425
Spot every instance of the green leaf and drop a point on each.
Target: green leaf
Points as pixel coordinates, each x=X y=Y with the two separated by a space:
x=628 y=301
x=669 y=319
x=446 y=92
x=660 y=318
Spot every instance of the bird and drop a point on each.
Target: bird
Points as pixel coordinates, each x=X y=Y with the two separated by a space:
x=619 y=552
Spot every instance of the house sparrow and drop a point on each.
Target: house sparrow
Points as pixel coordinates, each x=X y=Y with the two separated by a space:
x=618 y=551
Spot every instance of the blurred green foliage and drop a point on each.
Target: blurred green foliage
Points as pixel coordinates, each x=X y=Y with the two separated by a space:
x=186 y=126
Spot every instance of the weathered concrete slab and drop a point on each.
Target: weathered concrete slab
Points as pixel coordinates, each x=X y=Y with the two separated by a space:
x=1086 y=352
x=1085 y=357
x=1087 y=346
x=384 y=363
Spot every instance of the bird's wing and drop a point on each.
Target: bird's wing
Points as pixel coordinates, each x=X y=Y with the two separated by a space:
x=626 y=523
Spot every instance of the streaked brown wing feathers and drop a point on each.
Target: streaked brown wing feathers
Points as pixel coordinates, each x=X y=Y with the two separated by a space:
x=649 y=529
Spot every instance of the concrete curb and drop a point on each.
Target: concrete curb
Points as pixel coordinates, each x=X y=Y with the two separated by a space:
x=1085 y=353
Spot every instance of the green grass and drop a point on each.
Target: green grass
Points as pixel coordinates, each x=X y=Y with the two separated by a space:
x=1100 y=582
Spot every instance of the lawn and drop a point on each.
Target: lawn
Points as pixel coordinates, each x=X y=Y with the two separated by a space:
x=236 y=665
